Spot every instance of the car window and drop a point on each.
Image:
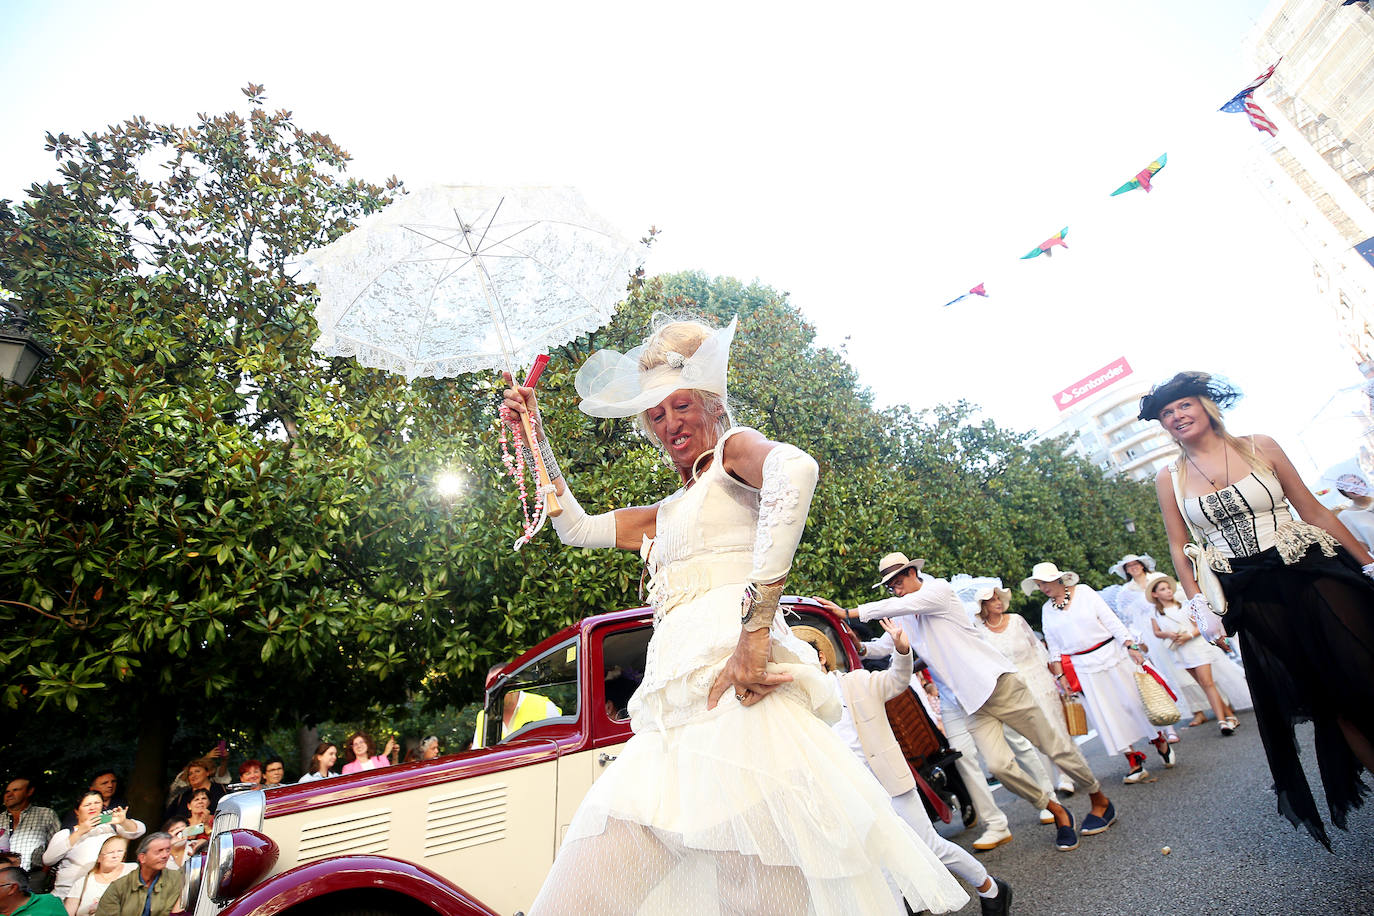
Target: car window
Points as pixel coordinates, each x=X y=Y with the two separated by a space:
x=543 y=690
x=622 y=656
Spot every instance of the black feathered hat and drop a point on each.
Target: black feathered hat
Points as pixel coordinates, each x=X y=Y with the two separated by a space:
x=1185 y=385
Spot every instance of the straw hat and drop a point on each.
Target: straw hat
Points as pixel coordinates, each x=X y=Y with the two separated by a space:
x=1143 y=559
x=894 y=563
x=1047 y=572
x=811 y=635
x=988 y=592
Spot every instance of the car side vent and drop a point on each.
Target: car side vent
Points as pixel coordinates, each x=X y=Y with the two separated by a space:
x=360 y=832
x=464 y=819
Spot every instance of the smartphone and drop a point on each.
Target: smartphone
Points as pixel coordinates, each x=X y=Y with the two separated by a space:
x=193 y=832
x=105 y=818
x=222 y=747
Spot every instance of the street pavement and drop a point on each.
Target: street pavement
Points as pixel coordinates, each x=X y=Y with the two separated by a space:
x=1231 y=851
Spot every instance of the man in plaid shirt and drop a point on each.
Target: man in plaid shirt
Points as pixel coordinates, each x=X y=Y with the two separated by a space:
x=29 y=827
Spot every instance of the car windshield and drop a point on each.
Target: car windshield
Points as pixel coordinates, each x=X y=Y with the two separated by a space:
x=544 y=689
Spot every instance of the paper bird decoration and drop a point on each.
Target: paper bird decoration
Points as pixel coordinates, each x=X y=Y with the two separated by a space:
x=976 y=291
x=1142 y=177
x=1244 y=101
x=1045 y=246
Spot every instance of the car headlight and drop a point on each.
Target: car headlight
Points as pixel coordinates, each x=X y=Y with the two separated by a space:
x=237 y=860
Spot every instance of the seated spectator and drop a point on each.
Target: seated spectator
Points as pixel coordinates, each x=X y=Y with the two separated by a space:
x=17 y=900
x=198 y=807
x=518 y=709
x=185 y=842
x=273 y=772
x=107 y=784
x=250 y=772
x=28 y=826
x=361 y=754
x=427 y=749
x=322 y=763
x=75 y=851
x=149 y=890
x=109 y=867
x=619 y=689
x=216 y=765
x=197 y=775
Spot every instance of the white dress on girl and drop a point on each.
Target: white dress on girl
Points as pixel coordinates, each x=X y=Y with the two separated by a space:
x=759 y=809
x=1229 y=677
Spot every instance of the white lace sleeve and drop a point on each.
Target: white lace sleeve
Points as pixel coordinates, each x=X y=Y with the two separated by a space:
x=789 y=480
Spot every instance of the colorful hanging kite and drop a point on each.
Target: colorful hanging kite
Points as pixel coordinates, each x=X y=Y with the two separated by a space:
x=976 y=291
x=1045 y=246
x=1244 y=101
x=1142 y=177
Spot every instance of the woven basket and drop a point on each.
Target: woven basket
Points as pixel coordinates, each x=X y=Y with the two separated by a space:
x=1075 y=716
x=1160 y=709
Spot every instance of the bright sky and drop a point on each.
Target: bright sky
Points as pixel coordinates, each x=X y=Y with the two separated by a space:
x=874 y=160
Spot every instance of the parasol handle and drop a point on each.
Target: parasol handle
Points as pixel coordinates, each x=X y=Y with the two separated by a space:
x=551 y=507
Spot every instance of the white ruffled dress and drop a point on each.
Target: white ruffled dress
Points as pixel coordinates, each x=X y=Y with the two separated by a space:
x=736 y=809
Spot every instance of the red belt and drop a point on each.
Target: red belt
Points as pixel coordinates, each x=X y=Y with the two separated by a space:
x=1094 y=648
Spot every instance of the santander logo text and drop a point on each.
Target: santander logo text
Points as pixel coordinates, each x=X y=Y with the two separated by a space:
x=1107 y=375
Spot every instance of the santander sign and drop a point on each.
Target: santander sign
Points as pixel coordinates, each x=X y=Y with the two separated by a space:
x=1113 y=372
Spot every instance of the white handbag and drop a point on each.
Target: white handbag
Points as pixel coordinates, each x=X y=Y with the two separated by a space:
x=1207 y=582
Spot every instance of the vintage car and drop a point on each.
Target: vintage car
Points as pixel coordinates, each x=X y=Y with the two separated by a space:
x=475 y=832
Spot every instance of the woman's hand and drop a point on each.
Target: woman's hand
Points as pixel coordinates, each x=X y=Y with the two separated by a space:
x=898 y=634
x=747 y=671
x=118 y=816
x=518 y=400
x=390 y=746
x=1136 y=655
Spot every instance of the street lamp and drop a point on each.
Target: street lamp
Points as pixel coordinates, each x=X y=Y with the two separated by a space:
x=1130 y=526
x=20 y=354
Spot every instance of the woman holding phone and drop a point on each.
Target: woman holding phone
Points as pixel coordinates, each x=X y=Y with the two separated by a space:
x=75 y=851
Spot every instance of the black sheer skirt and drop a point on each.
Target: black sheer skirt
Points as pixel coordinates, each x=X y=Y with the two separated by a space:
x=1307 y=636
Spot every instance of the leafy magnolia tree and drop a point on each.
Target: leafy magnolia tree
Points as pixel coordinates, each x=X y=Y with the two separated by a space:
x=200 y=520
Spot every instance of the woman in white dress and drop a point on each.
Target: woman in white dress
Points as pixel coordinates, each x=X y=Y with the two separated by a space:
x=74 y=851
x=1207 y=664
x=85 y=895
x=734 y=795
x=1011 y=635
x=1079 y=626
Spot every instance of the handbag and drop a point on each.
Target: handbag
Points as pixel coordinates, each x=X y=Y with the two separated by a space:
x=1160 y=708
x=1075 y=716
x=1207 y=582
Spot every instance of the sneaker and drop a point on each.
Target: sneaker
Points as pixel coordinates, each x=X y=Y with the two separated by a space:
x=1227 y=728
x=1094 y=824
x=1139 y=774
x=999 y=905
x=1045 y=816
x=991 y=839
x=1065 y=838
x=1065 y=788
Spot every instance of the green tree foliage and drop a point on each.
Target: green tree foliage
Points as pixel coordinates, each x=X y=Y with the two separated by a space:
x=206 y=530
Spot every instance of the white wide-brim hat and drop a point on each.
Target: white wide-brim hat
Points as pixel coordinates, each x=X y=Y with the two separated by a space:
x=1047 y=572
x=894 y=563
x=1144 y=559
x=986 y=593
x=611 y=383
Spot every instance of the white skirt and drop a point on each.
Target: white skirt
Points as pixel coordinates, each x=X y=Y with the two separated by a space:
x=737 y=810
x=1112 y=701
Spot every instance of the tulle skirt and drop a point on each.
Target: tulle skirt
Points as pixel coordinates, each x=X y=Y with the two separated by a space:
x=754 y=810
x=1307 y=638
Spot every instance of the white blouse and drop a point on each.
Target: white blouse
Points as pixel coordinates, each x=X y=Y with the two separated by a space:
x=1084 y=623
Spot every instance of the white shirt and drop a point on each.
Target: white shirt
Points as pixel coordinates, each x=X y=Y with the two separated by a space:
x=941 y=632
x=1086 y=622
x=1361 y=524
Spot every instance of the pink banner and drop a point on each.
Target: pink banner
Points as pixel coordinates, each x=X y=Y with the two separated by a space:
x=1085 y=387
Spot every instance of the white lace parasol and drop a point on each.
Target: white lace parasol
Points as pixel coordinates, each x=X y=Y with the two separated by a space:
x=452 y=279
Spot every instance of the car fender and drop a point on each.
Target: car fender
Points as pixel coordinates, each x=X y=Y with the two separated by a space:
x=372 y=873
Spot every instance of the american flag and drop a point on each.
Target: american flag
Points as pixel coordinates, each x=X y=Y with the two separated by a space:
x=1244 y=101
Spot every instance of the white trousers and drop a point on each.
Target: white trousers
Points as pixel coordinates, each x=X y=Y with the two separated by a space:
x=970 y=765
x=909 y=808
